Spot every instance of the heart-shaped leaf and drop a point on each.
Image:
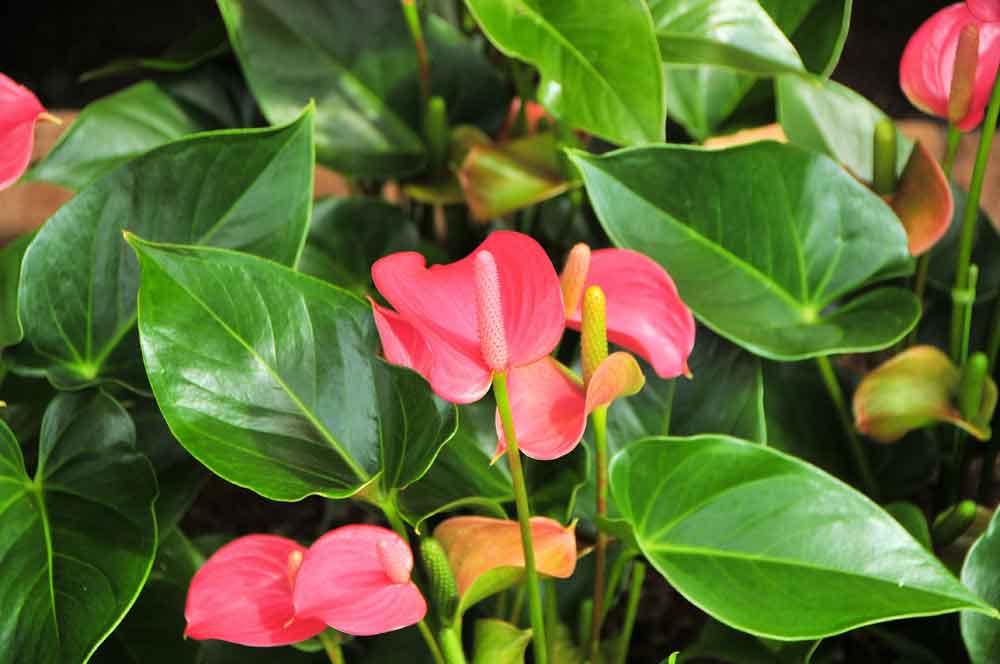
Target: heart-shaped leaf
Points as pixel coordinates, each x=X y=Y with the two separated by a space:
x=592 y=78
x=113 y=130
x=357 y=60
x=729 y=33
x=269 y=377
x=761 y=241
x=10 y=272
x=830 y=118
x=248 y=190
x=78 y=538
x=980 y=573
x=773 y=546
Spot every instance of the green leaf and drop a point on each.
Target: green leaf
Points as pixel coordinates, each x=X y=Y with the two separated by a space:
x=729 y=33
x=11 y=255
x=269 y=377
x=358 y=62
x=912 y=518
x=716 y=641
x=591 y=77
x=113 y=130
x=206 y=42
x=771 y=545
x=77 y=540
x=499 y=642
x=981 y=574
x=761 y=241
x=703 y=98
x=488 y=584
x=249 y=190
x=830 y=118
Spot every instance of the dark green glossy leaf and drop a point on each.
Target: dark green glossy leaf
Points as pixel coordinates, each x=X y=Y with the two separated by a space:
x=77 y=540
x=207 y=41
x=729 y=33
x=982 y=575
x=592 y=78
x=832 y=119
x=703 y=98
x=347 y=235
x=249 y=190
x=771 y=545
x=10 y=271
x=113 y=130
x=269 y=377
x=716 y=641
x=761 y=241
x=357 y=60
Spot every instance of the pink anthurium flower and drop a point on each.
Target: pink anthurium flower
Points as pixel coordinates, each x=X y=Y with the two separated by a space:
x=19 y=111
x=243 y=594
x=477 y=544
x=950 y=62
x=356 y=579
x=645 y=314
x=550 y=405
x=498 y=308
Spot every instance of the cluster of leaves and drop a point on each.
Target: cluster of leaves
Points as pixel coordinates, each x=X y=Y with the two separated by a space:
x=192 y=307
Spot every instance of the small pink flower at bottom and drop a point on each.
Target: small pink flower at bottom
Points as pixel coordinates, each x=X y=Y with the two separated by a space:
x=356 y=579
x=19 y=111
x=243 y=594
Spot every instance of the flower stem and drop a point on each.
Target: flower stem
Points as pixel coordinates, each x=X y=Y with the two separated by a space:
x=432 y=645
x=331 y=644
x=417 y=33
x=954 y=139
x=599 y=418
x=857 y=451
x=523 y=517
x=969 y=218
x=632 y=609
x=451 y=645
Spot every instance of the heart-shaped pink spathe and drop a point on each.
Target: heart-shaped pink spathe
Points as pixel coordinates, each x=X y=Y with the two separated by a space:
x=19 y=111
x=356 y=579
x=433 y=327
x=927 y=66
x=243 y=594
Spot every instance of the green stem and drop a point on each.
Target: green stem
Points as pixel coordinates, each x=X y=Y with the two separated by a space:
x=615 y=578
x=432 y=645
x=416 y=32
x=538 y=640
x=954 y=139
x=970 y=215
x=634 y=593
x=517 y=606
x=669 y=407
x=854 y=442
x=599 y=418
x=331 y=644
x=451 y=646
x=392 y=515
x=993 y=447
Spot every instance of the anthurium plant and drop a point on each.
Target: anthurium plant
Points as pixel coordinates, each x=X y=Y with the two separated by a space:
x=548 y=357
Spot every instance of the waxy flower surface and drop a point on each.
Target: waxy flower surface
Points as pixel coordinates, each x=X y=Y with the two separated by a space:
x=969 y=33
x=19 y=111
x=264 y=590
x=498 y=308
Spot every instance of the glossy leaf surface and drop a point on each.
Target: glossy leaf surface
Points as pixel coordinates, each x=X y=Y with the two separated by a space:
x=771 y=545
x=591 y=77
x=769 y=292
x=270 y=378
x=980 y=573
x=113 y=130
x=249 y=190
x=11 y=255
x=77 y=540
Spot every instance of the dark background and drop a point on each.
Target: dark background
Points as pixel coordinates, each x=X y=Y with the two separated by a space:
x=47 y=45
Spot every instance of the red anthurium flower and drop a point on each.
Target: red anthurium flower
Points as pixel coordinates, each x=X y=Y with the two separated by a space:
x=644 y=312
x=498 y=308
x=950 y=63
x=477 y=544
x=19 y=110
x=356 y=579
x=243 y=594
x=550 y=404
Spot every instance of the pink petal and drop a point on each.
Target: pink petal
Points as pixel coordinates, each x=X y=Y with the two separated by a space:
x=984 y=10
x=644 y=312
x=617 y=376
x=243 y=594
x=477 y=544
x=345 y=582
x=925 y=72
x=440 y=303
x=19 y=109
x=549 y=410
x=401 y=342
